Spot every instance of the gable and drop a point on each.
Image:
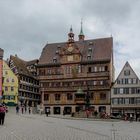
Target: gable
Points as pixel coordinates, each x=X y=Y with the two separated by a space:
x=127 y=75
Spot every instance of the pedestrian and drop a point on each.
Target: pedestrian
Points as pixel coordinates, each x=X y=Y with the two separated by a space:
x=22 y=109
x=2 y=114
x=125 y=117
x=64 y=112
x=87 y=113
x=131 y=117
x=47 y=111
x=17 y=109
x=25 y=108
x=29 y=110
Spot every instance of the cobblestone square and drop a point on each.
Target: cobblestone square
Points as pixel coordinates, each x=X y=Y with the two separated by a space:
x=40 y=127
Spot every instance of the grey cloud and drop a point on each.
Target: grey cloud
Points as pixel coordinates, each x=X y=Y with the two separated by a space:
x=27 y=25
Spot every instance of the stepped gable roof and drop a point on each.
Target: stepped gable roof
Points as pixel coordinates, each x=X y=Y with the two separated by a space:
x=21 y=65
x=102 y=49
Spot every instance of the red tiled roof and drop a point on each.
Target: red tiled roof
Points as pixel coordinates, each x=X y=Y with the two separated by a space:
x=102 y=49
x=21 y=65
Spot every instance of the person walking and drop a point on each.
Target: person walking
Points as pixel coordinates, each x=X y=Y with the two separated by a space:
x=22 y=109
x=25 y=108
x=131 y=118
x=29 y=110
x=17 y=109
x=2 y=114
x=47 y=111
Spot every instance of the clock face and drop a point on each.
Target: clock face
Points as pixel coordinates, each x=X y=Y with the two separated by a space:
x=70 y=49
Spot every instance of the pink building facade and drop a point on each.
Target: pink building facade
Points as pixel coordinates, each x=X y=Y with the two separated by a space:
x=1 y=65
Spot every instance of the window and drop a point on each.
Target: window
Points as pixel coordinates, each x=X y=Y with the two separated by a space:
x=7 y=80
x=12 y=97
x=69 y=96
x=138 y=90
x=68 y=70
x=101 y=82
x=90 y=50
x=94 y=82
x=102 y=96
x=118 y=81
x=126 y=90
x=46 y=97
x=57 y=97
x=126 y=81
x=13 y=80
x=127 y=72
x=89 y=69
x=6 y=88
x=7 y=97
x=120 y=101
x=95 y=69
x=132 y=101
x=79 y=69
x=41 y=72
x=57 y=52
x=133 y=90
x=54 y=60
x=121 y=90
x=103 y=68
x=89 y=57
x=115 y=101
x=106 y=68
x=138 y=101
x=90 y=43
x=6 y=72
x=129 y=81
x=134 y=81
x=126 y=101
x=115 y=91
x=92 y=95
x=12 y=88
x=48 y=71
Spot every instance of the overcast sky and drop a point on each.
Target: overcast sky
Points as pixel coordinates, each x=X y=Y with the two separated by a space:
x=27 y=25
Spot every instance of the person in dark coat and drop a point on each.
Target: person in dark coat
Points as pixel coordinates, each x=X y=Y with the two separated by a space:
x=29 y=110
x=2 y=114
x=47 y=110
x=17 y=109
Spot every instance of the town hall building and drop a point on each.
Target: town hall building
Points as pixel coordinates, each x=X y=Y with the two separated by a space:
x=76 y=75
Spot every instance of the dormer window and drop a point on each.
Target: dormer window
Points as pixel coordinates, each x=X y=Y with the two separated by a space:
x=89 y=57
x=90 y=43
x=58 y=47
x=89 y=50
x=57 y=52
x=54 y=60
x=127 y=72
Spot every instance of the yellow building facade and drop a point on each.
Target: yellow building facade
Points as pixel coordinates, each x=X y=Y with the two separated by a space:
x=10 y=86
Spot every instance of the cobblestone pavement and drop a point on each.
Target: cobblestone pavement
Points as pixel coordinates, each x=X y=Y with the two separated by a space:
x=40 y=127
